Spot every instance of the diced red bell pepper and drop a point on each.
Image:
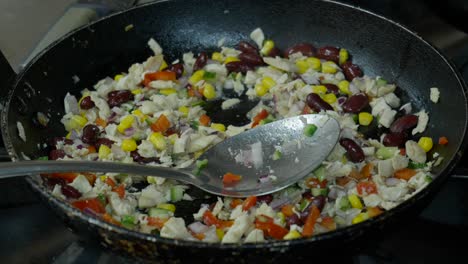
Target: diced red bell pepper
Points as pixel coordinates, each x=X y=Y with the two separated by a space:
x=156 y=221
x=161 y=125
x=249 y=202
x=308 y=228
x=315 y=183
x=120 y=190
x=108 y=218
x=259 y=117
x=159 y=75
x=230 y=178
x=328 y=223
x=271 y=229
x=209 y=219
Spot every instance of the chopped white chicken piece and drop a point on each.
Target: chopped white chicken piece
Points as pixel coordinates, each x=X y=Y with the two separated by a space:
x=258 y=37
x=415 y=152
x=385 y=168
x=435 y=94
x=81 y=183
x=255 y=236
x=235 y=232
x=155 y=47
x=423 y=119
x=175 y=228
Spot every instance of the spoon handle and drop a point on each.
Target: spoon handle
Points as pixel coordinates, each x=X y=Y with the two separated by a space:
x=23 y=168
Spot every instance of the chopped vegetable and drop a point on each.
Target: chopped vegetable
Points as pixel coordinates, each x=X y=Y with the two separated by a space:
x=230 y=178
x=309 y=130
x=92 y=203
x=405 y=174
x=204 y=120
x=271 y=229
x=161 y=125
x=366 y=188
x=355 y=201
x=308 y=229
x=249 y=202
x=425 y=143
x=443 y=141
x=260 y=116
x=177 y=193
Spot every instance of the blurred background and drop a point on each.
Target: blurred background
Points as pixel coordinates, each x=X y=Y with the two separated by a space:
x=28 y=26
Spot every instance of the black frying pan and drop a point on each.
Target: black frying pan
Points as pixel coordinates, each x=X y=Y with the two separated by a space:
x=379 y=46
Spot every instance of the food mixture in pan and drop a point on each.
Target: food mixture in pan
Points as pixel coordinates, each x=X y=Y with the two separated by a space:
x=153 y=114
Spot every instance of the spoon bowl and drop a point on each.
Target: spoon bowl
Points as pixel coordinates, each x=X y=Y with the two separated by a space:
x=267 y=158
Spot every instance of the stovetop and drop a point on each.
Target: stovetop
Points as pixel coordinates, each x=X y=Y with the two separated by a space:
x=31 y=233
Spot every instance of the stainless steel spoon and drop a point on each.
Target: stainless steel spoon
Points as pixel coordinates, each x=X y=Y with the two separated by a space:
x=250 y=154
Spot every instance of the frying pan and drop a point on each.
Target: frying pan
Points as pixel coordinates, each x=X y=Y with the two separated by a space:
x=380 y=46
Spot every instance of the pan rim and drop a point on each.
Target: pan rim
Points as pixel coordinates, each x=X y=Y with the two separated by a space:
x=273 y=245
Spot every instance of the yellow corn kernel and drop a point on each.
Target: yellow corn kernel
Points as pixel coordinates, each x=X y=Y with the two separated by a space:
x=209 y=91
x=77 y=122
x=198 y=153
x=218 y=126
x=163 y=65
x=172 y=138
x=360 y=218
x=129 y=144
x=158 y=140
x=344 y=160
x=365 y=118
x=302 y=66
x=217 y=56
x=167 y=91
x=425 y=143
x=267 y=47
x=219 y=233
x=329 y=67
x=184 y=110
x=344 y=87
x=104 y=151
x=268 y=82
x=329 y=98
x=314 y=63
x=261 y=89
x=167 y=206
x=118 y=77
x=139 y=114
x=136 y=91
x=196 y=77
x=319 y=89
x=230 y=59
x=103 y=178
x=344 y=56
x=355 y=201
x=293 y=234
x=125 y=123
x=68 y=135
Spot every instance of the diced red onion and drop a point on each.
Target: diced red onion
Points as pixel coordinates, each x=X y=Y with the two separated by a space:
x=129 y=131
x=335 y=192
x=90 y=211
x=74 y=135
x=341 y=100
x=392 y=181
x=79 y=146
x=198 y=227
x=264 y=179
x=112 y=117
x=290 y=199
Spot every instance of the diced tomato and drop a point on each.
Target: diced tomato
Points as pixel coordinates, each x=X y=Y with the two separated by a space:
x=120 y=190
x=209 y=219
x=90 y=176
x=315 y=183
x=366 y=171
x=161 y=125
x=101 y=122
x=91 y=149
x=443 y=141
x=366 y=187
x=287 y=210
x=110 y=182
x=328 y=223
x=374 y=211
x=404 y=174
x=199 y=236
x=271 y=229
x=108 y=218
x=235 y=202
x=92 y=203
x=230 y=178
x=157 y=222
x=249 y=202
x=308 y=228
x=259 y=117
x=205 y=120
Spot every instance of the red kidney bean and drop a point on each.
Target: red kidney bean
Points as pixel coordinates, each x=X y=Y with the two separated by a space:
x=293 y=220
x=394 y=139
x=70 y=192
x=90 y=134
x=200 y=62
x=331 y=88
x=267 y=198
x=116 y=98
x=328 y=53
x=274 y=52
x=356 y=103
x=103 y=141
x=239 y=66
x=178 y=68
x=86 y=103
x=404 y=123
x=56 y=154
x=142 y=160
x=251 y=58
x=351 y=70
x=319 y=202
x=247 y=47
x=353 y=150
x=51 y=182
x=316 y=103
x=306 y=49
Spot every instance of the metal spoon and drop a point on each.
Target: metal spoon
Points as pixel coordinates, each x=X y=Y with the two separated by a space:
x=249 y=154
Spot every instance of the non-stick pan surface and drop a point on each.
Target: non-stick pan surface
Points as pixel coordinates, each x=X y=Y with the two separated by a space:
x=381 y=47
